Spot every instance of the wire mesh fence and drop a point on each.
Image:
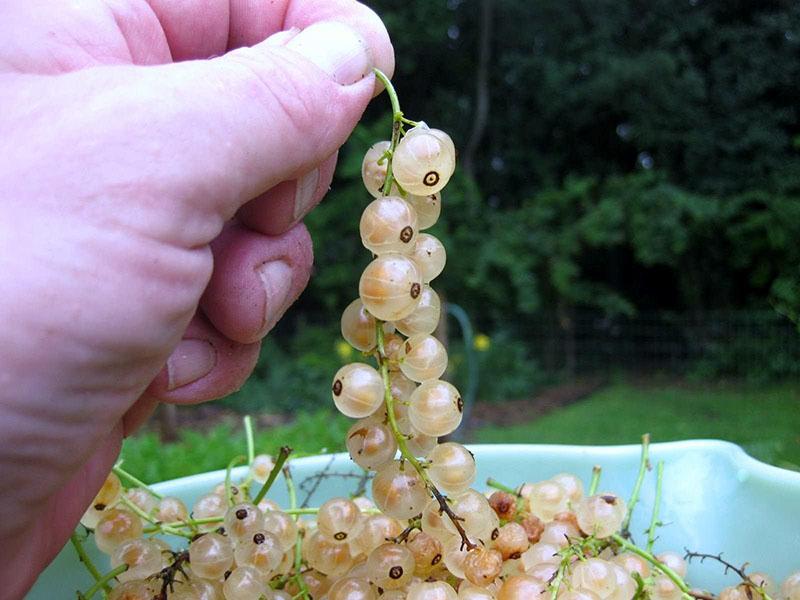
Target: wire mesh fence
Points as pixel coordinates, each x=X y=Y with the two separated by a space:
x=718 y=343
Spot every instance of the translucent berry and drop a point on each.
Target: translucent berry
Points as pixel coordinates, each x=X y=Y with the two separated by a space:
x=390 y=286
x=398 y=490
x=571 y=484
x=428 y=209
x=142 y=556
x=116 y=526
x=433 y=522
x=478 y=518
x=600 y=515
x=451 y=467
x=430 y=256
x=559 y=533
x=352 y=588
x=546 y=499
x=482 y=565
x=431 y=590
x=423 y=358
x=262 y=551
x=427 y=551
x=373 y=168
x=425 y=317
x=436 y=408
x=375 y=531
x=540 y=552
x=358 y=327
x=633 y=564
x=595 y=575
x=389 y=225
x=245 y=583
x=522 y=587
x=511 y=540
x=390 y=566
x=210 y=506
x=105 y=499
x=171 y=509
x=357 y=390
x=790 y=588
x=261 y=468
x=674 y=561
x=424 y=161
x=418 y=443
x=327 y=556
x=135 y=590
x=370 y=443
x=504 y=504
x=339 y=519
x=210 y=556
x=142 y=499
x=534 y=527
x=242 y=521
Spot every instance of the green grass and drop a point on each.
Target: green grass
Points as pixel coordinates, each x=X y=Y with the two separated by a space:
x=151 y=460
x=764 y=421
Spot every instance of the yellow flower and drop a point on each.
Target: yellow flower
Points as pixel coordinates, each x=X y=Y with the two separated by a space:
x=481 y=342
x=344 y=350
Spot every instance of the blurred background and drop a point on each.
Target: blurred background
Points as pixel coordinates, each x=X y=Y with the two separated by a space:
x=623 y=233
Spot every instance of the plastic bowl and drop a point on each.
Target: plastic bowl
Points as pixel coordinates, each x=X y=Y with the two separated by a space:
x=715 y=499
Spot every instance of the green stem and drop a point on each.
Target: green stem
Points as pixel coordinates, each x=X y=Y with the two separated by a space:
x=228 y=488
x=657 y=564
x=163 y=528
x=651 y=531
x=102 y=583
x=122 y=474
x=401 y=440
x=596 y=471
x=283 y=454
x=397 y=114
x=84 y=558
x=643 y=466
x=290 y=490
x=298 y=567
x=248 y=435
x=493 y=483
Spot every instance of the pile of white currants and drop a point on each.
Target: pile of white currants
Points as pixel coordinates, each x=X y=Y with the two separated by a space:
x=426 y=534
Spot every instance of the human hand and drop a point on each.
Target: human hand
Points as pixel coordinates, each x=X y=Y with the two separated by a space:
x=149 y=220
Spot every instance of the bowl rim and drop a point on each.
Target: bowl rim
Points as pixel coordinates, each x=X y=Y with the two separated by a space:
x=733 y=452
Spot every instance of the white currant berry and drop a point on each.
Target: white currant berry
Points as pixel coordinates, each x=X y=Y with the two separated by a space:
x=245 y=583
x=242 y=521
x=425 y=317
x=389 y=225
x=423 y=358
x=117 y=525
x=398 y=490
x=339 y=519
x=374 y=167
x=600 y=515
x=790 y=588
x=424 y=161
x=522 y=587
x=390 y=566
x=143 y=558
x=430 y=256
x=431 y=590
x=106 y=498
x=358 y=327
x=370 y=443
x=428 y=209
x=436 y=408
x=357 y=390
x=452 y=467
x=352 y=588
x=210 y=556
x=390 y=286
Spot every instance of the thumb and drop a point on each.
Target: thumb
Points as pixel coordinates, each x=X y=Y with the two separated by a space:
x=210 y=135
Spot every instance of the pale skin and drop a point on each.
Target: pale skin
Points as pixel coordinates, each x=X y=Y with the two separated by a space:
x=156 y=160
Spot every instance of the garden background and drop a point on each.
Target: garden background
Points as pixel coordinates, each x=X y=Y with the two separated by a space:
x=623 y=233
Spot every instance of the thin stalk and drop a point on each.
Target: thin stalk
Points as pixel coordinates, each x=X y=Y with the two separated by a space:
x=122 y=474
x=290 y=489
x=153 y=521
x=102 y=583
x=283 y=454
x=249 y=438
x=397 y=129
x=84 y=558
x=651 y=531
x=228 y=486
x=596 y=471
x=402 y=444
x=493 y=483
x=298 y=566
x=643 y=466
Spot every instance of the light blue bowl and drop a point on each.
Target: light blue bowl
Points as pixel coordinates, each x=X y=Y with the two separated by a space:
x=715 y=499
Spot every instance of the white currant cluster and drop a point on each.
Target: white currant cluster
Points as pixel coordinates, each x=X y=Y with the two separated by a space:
x=426 y=534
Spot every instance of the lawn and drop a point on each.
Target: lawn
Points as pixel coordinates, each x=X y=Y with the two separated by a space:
x=764 y=421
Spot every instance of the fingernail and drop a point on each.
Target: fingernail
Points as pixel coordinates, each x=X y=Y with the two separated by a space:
x=304 y=193
x=276 y=277
x=336 y=49
x=190 y=361
x=282 y=37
